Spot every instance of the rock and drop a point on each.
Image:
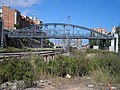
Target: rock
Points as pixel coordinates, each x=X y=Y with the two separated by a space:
x=68 y=76
x=31 y=89
x=3 y=86
x=16 y=85
x=40 y=83
x=8 y=86
x=35 y=83
x=21 y=84
x=47 y=82
x=91 y=86
x=13 y=87
x=113 y=88
x=88 y=78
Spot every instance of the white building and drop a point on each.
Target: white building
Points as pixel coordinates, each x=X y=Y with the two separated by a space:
x=0 y=12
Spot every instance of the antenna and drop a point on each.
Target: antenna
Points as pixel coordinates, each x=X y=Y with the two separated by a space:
x=68 y=20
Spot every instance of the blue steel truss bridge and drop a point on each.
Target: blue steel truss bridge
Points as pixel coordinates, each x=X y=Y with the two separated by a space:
x=57 y=31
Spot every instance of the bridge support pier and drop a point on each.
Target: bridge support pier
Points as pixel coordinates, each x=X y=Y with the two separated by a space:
x=114 y=44
x=79 y=43
x=49 y=57
x=41 y=42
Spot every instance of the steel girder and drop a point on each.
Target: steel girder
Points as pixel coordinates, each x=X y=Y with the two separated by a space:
x=57 y=31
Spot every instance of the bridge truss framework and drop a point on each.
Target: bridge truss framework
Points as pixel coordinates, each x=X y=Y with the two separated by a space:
x=57 y=31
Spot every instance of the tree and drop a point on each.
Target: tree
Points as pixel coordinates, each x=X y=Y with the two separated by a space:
x=92 y=42
x=47 y=43
x=107 y=43
x=103 y=44
x=51 y=44
x=17 y=26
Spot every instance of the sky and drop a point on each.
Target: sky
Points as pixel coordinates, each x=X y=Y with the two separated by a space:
x=87 y=13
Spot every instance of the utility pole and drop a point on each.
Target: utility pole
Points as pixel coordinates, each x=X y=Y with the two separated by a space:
x=68 y=33
x=8 y=20
x=1 y=35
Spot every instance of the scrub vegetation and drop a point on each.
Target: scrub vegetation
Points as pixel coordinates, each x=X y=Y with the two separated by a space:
x=101 y=66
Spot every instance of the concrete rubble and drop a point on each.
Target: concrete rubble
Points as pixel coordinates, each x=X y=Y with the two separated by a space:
x=20 y=85
x=15 y=85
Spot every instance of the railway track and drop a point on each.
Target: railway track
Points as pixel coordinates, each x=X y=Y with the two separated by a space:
x=23 y=54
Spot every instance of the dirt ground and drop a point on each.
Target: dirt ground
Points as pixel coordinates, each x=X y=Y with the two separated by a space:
x=74 y=83
x=77 y=83
x=80 y=83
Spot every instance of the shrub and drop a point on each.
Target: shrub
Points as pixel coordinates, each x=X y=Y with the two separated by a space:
x=16 y=69
x=103 y=67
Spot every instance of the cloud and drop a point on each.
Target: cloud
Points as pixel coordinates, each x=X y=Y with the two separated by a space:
x=22 y=3
x=25 y=12
x=28 y=3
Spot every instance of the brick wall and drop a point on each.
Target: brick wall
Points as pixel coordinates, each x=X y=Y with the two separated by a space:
x=8 y=16
x=12 y=17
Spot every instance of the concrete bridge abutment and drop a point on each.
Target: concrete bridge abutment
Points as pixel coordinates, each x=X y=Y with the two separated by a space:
x=49 y=57
x=114 y=44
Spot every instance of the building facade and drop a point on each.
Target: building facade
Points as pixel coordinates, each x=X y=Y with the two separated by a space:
x=101 y=30
x=36 y=20
x=9 y=16
x=13 y=19
x=0 y=12
x=25 y=21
